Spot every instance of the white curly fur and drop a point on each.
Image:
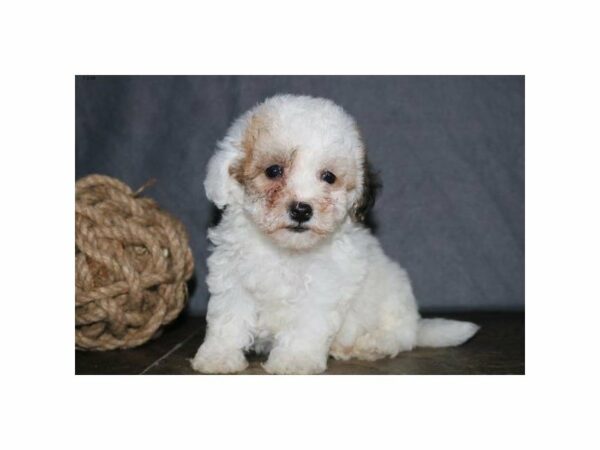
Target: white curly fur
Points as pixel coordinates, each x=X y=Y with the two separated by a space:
x=302 y=296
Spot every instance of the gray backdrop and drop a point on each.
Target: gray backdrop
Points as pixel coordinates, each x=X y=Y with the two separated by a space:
x=449 y=150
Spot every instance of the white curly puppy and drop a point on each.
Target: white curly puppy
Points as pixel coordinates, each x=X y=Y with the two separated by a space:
x=294 y=272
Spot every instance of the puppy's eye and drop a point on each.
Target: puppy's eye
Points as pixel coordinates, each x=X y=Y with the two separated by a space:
x=274 y=171
x=328 y=177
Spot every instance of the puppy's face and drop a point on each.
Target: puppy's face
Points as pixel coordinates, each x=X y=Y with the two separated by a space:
x=302 y=172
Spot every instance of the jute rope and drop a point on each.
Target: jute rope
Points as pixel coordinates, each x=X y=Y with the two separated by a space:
x=132 y=261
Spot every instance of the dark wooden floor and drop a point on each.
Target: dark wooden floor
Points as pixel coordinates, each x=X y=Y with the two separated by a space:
x=498 y=348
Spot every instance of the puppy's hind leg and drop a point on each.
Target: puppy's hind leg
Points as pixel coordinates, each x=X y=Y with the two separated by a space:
x=399 y=334
x=385 y=316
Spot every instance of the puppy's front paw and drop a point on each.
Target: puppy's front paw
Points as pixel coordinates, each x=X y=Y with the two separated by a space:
x=212 y=360
x=283 y=363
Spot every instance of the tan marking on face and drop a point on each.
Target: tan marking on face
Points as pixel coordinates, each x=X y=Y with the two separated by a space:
x=324 y=204
x=351 y=185
x=241 y=170
x=274 y=191
x=257 y=184
x=261 y=152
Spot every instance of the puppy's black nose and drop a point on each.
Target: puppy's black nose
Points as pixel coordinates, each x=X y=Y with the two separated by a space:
x=300 y=212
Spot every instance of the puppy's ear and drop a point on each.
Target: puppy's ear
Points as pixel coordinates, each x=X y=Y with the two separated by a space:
x=221 y=188
x=370 y=189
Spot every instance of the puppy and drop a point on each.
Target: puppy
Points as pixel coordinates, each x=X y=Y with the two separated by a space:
x=294 y=272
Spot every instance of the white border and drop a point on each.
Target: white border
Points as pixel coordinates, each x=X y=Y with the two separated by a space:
x=46 y=43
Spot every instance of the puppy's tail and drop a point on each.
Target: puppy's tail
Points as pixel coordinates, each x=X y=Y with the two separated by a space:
x=444 y=332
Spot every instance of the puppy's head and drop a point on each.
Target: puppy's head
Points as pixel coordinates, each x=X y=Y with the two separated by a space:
x=296 y=165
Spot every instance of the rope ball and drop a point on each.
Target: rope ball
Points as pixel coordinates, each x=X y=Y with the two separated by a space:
x=132 y=261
